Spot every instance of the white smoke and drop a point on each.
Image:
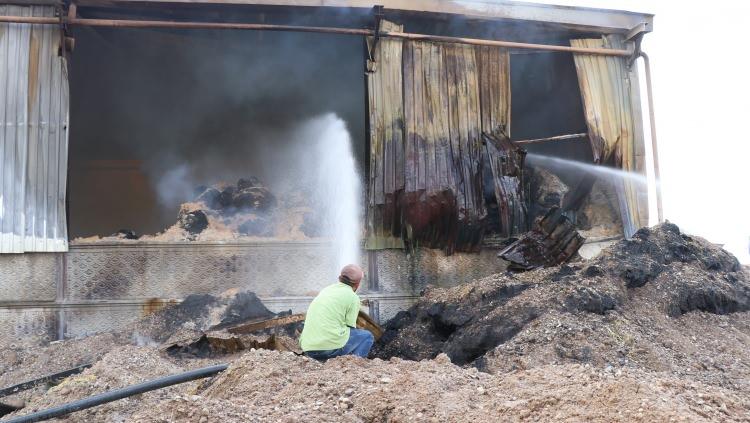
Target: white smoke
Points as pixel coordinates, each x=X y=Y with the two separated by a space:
x=175 y=186
x=314 y=157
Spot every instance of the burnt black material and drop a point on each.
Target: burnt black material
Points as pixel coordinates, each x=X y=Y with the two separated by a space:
x=660 y=268
x=245 y=306
x=211 y=197
x=126 y=234
x=260 y=226
x=461 y=329
x=253 y=198
x=553 y=240
x=194 y=222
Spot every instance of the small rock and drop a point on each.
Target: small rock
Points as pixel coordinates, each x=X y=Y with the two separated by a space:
x=443 y=358
x=64 y=390
x=385 y=380
x=480 y=390
x=349 y=392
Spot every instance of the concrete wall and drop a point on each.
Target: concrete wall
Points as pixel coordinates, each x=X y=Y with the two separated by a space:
x=99 y=287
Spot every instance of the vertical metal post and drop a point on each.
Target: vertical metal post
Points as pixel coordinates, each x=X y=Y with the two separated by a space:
x=650 y=96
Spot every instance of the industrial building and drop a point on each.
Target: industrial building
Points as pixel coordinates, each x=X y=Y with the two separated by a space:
x=108 y=107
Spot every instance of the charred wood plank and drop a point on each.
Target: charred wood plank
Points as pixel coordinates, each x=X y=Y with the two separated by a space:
x=266 y=324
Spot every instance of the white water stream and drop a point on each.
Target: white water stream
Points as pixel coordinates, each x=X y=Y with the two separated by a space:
x=556 y=163
x=338 y=188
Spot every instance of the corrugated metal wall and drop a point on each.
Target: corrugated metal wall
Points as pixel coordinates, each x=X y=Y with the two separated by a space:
x=607 y=91
x=33 y=134
x=429 y=104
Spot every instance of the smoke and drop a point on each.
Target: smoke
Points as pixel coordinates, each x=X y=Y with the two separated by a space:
x=313 y=159
x=174 y=186
x=200 y=108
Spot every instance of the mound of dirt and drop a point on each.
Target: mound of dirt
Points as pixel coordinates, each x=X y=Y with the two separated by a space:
x=663 y=300
x=273 y=386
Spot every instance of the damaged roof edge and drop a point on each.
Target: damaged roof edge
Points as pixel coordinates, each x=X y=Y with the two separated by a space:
x=590 y=19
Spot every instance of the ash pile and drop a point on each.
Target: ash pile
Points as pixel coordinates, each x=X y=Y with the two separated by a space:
x=663 y=300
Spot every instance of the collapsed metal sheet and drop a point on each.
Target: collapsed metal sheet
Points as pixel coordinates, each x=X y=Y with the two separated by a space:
x=553 y=240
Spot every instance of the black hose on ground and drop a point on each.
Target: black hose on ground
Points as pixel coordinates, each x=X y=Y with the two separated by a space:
x=117 y=394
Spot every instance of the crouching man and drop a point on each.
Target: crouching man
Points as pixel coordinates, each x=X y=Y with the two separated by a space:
x=331 y=323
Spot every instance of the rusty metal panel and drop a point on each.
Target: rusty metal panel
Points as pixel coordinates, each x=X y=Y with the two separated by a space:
x=33 y=134
x=607 y=89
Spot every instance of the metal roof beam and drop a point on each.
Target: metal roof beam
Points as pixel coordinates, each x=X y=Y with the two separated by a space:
x=577 y=18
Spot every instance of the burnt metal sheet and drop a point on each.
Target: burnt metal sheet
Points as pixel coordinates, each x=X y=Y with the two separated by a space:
x=33 y=135
x=553 y=240
x=505 y=161
x=613 y=120
x=428 y=106
x=385 y=110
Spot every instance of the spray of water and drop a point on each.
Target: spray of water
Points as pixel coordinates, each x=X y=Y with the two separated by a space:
x=599 y=171
x=337 y=190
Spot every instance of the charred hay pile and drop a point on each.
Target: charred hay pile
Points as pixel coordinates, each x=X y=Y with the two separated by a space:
x=653 y=302
x=226 y=211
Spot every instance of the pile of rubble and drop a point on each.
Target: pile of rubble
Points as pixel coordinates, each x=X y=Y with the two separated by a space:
x=656 y=328
x=648 y=302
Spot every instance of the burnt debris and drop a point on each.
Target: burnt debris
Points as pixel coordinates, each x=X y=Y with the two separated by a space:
x=553 y=240
x=248 y=195
x=194 y=222
x=248 y=207
x=201 y=312
x=125 y=234
x=660 y=271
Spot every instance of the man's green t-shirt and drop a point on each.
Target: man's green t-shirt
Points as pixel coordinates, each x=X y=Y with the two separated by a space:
x=329 y=317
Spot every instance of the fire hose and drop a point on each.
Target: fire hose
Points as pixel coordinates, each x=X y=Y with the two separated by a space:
x=117 y=394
